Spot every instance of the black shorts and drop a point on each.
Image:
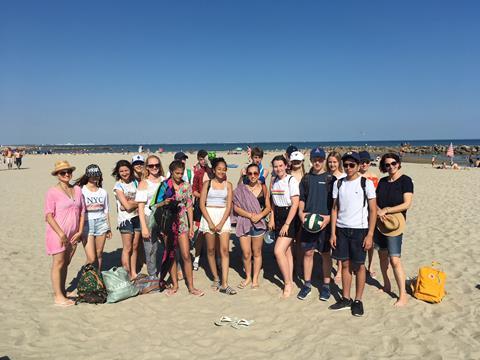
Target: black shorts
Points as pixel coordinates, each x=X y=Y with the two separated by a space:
x=350 y=245
x=317 y=240
x=197 y=213
x=280 y=216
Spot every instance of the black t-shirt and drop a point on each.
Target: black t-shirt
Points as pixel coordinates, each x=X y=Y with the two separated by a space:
x=390 y=194
x=314 y=192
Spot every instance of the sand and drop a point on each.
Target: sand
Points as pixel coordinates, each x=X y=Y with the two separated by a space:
x=442 y=226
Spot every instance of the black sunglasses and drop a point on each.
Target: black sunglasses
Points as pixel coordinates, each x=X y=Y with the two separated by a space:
x=393 y=163
x=153 y=166
x=65 y=172
x=349 y=165
x=252 y=173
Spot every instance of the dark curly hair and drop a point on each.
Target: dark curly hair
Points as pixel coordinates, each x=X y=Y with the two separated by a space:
x=217 y=161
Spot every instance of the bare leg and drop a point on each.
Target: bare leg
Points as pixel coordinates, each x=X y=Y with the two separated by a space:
x=99 y=245
x=308 y=265
x=89 y=247
x=360 y=279
x=246 y=245
x=326 y=267
x=370 y=259
x=57 y=274
x=199 y=243
x=127 y=252
x=210 y=238
x=184 y=243
x=346 y=278
x=257 y=243
x=383 y=256
x=338 y=277
x=282 y=246
x=225 y=256
x=134 y=257
x=400 y=279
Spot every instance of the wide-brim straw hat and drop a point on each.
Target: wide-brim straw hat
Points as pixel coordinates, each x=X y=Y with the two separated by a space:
x=62 y=165
x=393 y=225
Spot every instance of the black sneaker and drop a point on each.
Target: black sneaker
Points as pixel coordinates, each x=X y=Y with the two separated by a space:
x=357 y=308
x=342 y=304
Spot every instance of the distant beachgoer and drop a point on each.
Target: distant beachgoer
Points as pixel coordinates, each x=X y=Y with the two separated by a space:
x=334 y=167
x=433 y=161
x=9 y=157
x=176 y=189
x=364 y=171
x=145 y=192
x=216 y=205
x=314 y=192
x=256 y=156
x=251 y=204
x=128 y=220
x=285 y=192
x=18 y=154
x=97 y=222
x=471 y=160
x=202 y=173
x=64 y=213
x=138 y=163
x=394 y=196
x=353 y=221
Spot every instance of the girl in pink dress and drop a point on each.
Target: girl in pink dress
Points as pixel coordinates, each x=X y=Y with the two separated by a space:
x=64 y=214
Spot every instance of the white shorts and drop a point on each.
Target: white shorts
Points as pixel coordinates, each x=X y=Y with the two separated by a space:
x=216 y=214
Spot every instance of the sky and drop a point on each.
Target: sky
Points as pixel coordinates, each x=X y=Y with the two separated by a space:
x=113 y=72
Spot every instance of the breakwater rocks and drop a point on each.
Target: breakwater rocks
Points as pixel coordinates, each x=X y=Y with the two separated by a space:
x=413 y=150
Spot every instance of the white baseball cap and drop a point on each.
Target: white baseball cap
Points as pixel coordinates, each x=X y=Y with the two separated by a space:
x=297 y=155
x=138 y=158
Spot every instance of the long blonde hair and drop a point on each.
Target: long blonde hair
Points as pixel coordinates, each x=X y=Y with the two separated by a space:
x=337 y=156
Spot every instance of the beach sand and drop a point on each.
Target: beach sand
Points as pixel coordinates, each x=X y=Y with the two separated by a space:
x=442 y=226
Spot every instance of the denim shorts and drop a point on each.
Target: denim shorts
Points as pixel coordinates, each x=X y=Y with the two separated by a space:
x=350 y=245
x=130 y=226
x=310 y=241
x=254 y=232
x=393 y=244
x=96 y=227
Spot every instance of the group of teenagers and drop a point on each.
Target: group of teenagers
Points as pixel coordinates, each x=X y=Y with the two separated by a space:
x=353 y=207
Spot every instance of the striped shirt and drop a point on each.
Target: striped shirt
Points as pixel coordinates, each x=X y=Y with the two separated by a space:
x=283 y=190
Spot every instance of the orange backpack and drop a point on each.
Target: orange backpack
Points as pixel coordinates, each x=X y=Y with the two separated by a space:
x=430 y=284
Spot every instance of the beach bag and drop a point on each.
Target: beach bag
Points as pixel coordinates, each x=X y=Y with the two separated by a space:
x=146 y=285
x=118 y=285
x=430 y=284
x=90 y=287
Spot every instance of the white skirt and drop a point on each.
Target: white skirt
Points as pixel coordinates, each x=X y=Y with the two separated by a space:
x=216 y=214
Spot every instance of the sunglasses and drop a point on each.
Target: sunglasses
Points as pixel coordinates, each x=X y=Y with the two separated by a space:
x=153 y=166
x=65 y=172
x=252 y=173
x=363 y=162
x=391 y=164
x=349 y=165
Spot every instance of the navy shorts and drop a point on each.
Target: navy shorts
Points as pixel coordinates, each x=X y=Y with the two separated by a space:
x=350 y=245
x=312 y=241
x=130 y=226
x=393 y=244
x=280 y=217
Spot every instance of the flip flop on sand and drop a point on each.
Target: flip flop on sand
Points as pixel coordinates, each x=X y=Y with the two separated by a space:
x=242 y=323
x=243 y=284
x=65 y=303
x=225 y=320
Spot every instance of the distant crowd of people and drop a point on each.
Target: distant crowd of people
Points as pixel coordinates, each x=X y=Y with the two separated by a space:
x=13 y=157
x=337 y=207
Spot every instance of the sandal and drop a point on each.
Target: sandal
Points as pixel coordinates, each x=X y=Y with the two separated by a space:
x=197 y=292
x=242 y=323
x=216 y=285
x=225 y=320
x=228 y=290
x=243 y=284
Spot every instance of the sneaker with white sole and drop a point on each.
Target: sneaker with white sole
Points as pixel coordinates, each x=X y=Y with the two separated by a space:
x=343 y=304
x=304 y=292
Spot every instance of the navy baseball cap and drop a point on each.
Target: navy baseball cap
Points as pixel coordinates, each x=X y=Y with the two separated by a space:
x=351 y=155
x=317 y=153
x=291 y=149
x=364 y=155
x=180 y=156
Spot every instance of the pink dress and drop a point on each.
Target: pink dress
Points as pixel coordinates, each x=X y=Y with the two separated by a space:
x=66 y=213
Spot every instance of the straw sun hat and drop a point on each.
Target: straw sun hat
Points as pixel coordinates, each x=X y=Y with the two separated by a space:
x=393 y=225
x=62 y=165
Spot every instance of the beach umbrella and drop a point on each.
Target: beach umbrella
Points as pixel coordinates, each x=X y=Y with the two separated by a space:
x=450 y=152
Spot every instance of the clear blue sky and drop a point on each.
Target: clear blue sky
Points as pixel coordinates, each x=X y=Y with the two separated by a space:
x=214 y=71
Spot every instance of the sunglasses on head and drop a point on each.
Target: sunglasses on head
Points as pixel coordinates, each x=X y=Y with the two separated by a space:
x=65 y=172
x=390 y=164
x=252 y=173
x=154 y=166
x=349 y=165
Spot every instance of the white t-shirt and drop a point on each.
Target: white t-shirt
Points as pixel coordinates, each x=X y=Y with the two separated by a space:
x=129 y=190
x=284 y=189
x=352 y=214
x=96 y=203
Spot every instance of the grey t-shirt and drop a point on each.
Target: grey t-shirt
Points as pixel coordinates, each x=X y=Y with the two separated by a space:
x=314 y=190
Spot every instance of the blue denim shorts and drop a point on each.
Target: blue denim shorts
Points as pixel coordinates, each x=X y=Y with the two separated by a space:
x=393 y=244
x=254 y=232
x=350 y=245
x=96 y=227
x=130 y=226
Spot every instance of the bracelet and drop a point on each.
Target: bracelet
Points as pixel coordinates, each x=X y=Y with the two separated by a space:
x=287 y=224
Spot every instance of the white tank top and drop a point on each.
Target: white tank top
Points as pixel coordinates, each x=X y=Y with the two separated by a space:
x=217 y=198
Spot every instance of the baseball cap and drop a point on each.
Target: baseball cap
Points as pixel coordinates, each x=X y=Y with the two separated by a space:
x=317 y=153
x=296 y=155
x=180 y=156
x=202 y=153
x=364 y=155
x=291 y=149
x=351 y=155
x=138 y=158
x=93 y=170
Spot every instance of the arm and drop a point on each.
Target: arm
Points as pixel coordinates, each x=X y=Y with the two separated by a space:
x=203 y=207
x=372 y=220
x=228 y=208
x=333 y=224
x=268 y=206
x=128 y=205
x=58 y=230
x=301 y=210
x=141 y=212
x=291 y=215
x=107 y=213
x=407 y=202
